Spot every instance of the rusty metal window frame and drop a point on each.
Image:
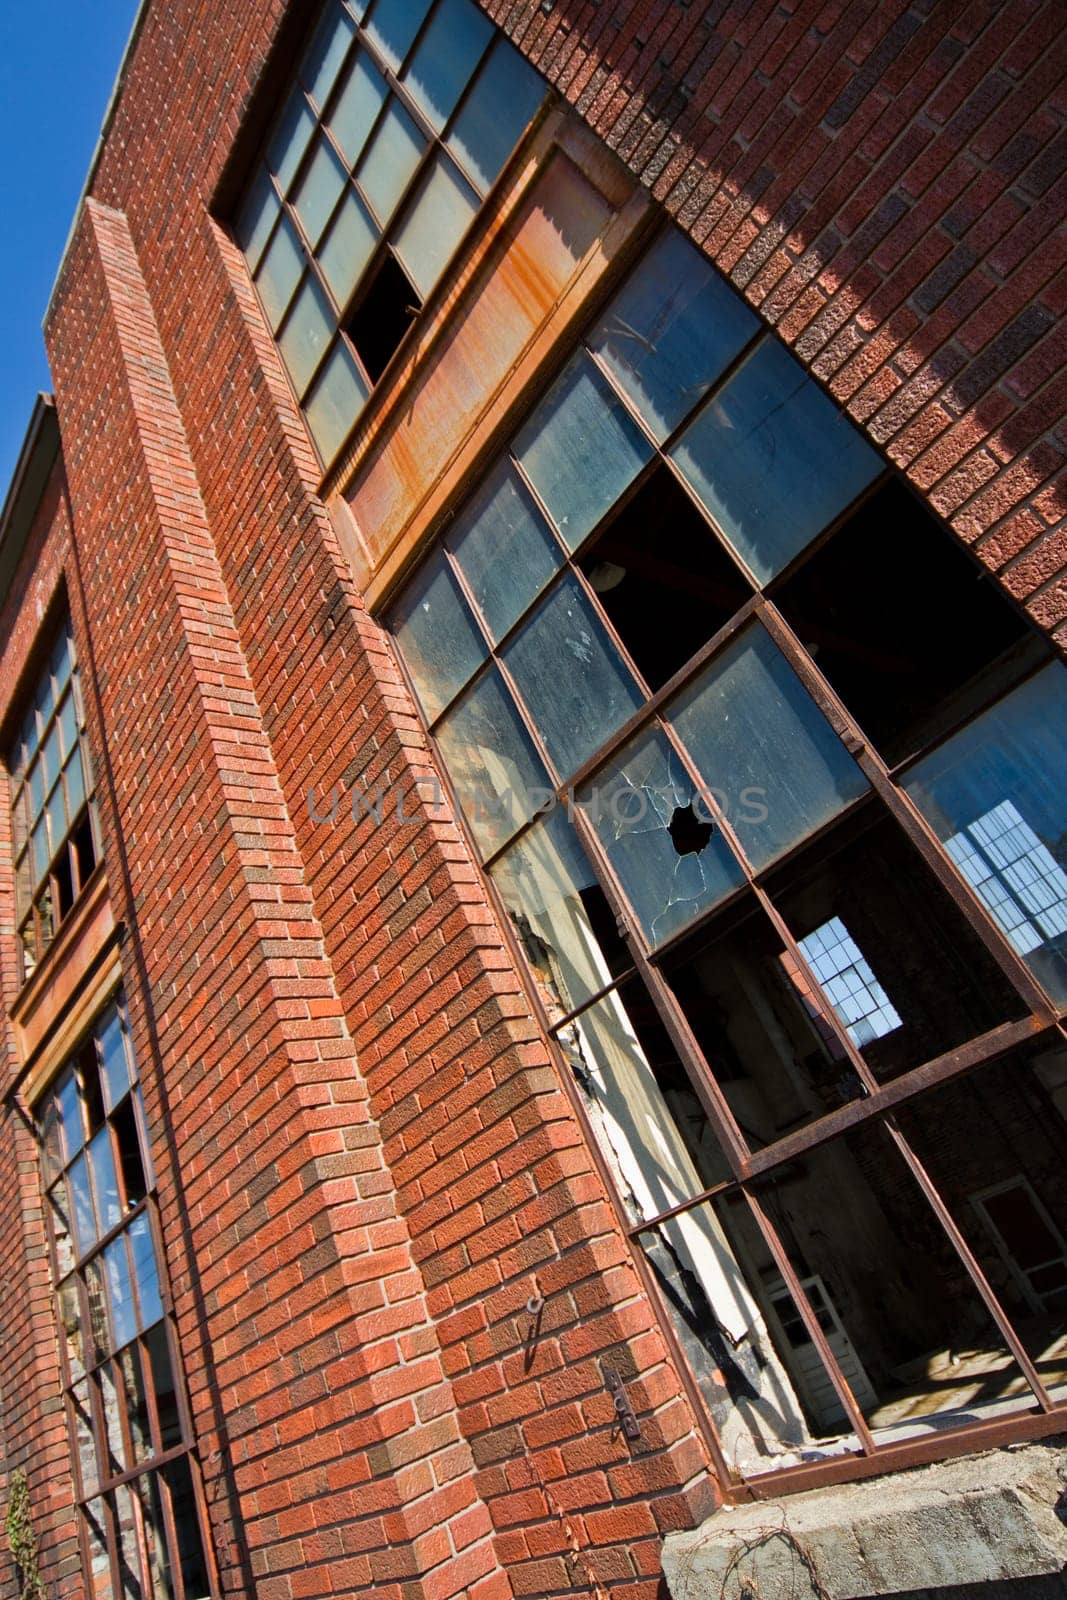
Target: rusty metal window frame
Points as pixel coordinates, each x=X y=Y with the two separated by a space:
x=748 y=1167
x=39 y=911
x=436 y=148
x=150 y=1464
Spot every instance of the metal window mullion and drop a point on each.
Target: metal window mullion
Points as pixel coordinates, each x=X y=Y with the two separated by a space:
x=905 y=812
x=96 y=1250
x=628 y=975
x=811 y=1322
x=971 y=1264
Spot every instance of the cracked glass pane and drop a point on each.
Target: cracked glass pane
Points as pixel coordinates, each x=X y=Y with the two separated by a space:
x=503 y=548
x=437 y=636
x=498 y=777
x=671 y=862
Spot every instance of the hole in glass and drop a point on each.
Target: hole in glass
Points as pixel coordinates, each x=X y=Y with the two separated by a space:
x=383 y=316
x=689 y=834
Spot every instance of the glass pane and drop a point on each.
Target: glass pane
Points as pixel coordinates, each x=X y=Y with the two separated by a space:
x=326 y=52
x=105 y=1181
x=560 y=915
x=70 y=1321
x=94 y=1291
x=51 y=1143
x=85 y=1234
x=580 y=450
x=36 y=790
x=657 y=833
x=114 y=1063
x=357 y=106
x=996 y=795
x=348 y=247
x=50 y=756
x=319 y=190
x=57 y=818
x=497 y=773
x=647 y=1118
x=336 y=400
x=505 y=96
x=503 y=548
x=60 y=1215
x=390 y=160
x=306 y=333
x=889 y=952
x=768 y=755
x=393 y=24
x=190 y=1548
x=45 y=698
x=673 y=328
x=437 y=636
x=130 y=1585
x=280 y=271
x=291 y=140
x=448 y=53
x=129 y=1364
x=68 y=725
x=574 y=683
x=431 y=230
x=20 y=821
x=257 y=218
x=144 y=1267
x=119 y=1293
x=28 y=739
x=773 y=459
x=84 y=1436
x=74 y=778
x=62 y=659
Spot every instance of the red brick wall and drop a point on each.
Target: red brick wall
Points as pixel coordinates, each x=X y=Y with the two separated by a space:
x=884 y=181
x=33 y=1433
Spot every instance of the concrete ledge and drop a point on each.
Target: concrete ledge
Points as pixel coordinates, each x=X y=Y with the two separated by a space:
x=982 y=1520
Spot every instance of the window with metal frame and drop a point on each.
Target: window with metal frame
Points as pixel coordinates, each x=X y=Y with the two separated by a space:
x=402 y=117
x=142 y=1515
x=709 y=685
x=53 y=815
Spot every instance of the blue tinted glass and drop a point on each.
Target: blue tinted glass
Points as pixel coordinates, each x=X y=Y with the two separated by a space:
x=773 y=460
x=447 y=54
x=70 y=1117
x=279 y=271
x=498 y=776
x=437 y=635
x=390 y=161
x=767 y=754
x=501 y=104
x=672 y=329
x=357 y=106
x=105 y=1181
x=326 y=53
x=580 y=450
x=503 y=548
x=258 y=215
x=574 y=683
x=318 y=190
x=306 y=333
x=433 y=226
x=393 y=24
x=114 y=1070
x=75 y=780
x=291 y=140
x=632 y=804
x=85 y=1232
x=68 y=725
x=335 y=401
x=996 y=795
x=37 y=789
x=144 y=1271
x=349 y=244
x=119 y=1294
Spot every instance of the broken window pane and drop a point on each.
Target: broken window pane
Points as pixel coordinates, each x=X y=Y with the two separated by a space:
x=580 y=450
x=505 y=96
x=773 y=459
x=648 y=1120
x=663 y=577
x=995 y=1144
x=997 y=796
x=778 y=1064
x=499 y=780
x=764 y=747
x=437 y=635
x=447 y=54
x=560 y=916
x=657 y=833
x=575 y=685
x=503 y=548
x=672 y=329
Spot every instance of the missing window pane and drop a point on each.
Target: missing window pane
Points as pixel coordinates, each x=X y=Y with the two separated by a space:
x=383 y=316
x=663 y=577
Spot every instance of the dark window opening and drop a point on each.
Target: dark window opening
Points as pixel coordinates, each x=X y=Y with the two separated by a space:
x=663 y=578
x=84 y=850
x=689 y=834
x=124 y=1121
x=64 y=881
x=383 y=316
x=904 y=624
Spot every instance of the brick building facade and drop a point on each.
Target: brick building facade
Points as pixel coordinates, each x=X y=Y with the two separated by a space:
x=533 y=877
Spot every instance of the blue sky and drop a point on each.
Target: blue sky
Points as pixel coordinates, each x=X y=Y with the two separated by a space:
x=57 y=65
